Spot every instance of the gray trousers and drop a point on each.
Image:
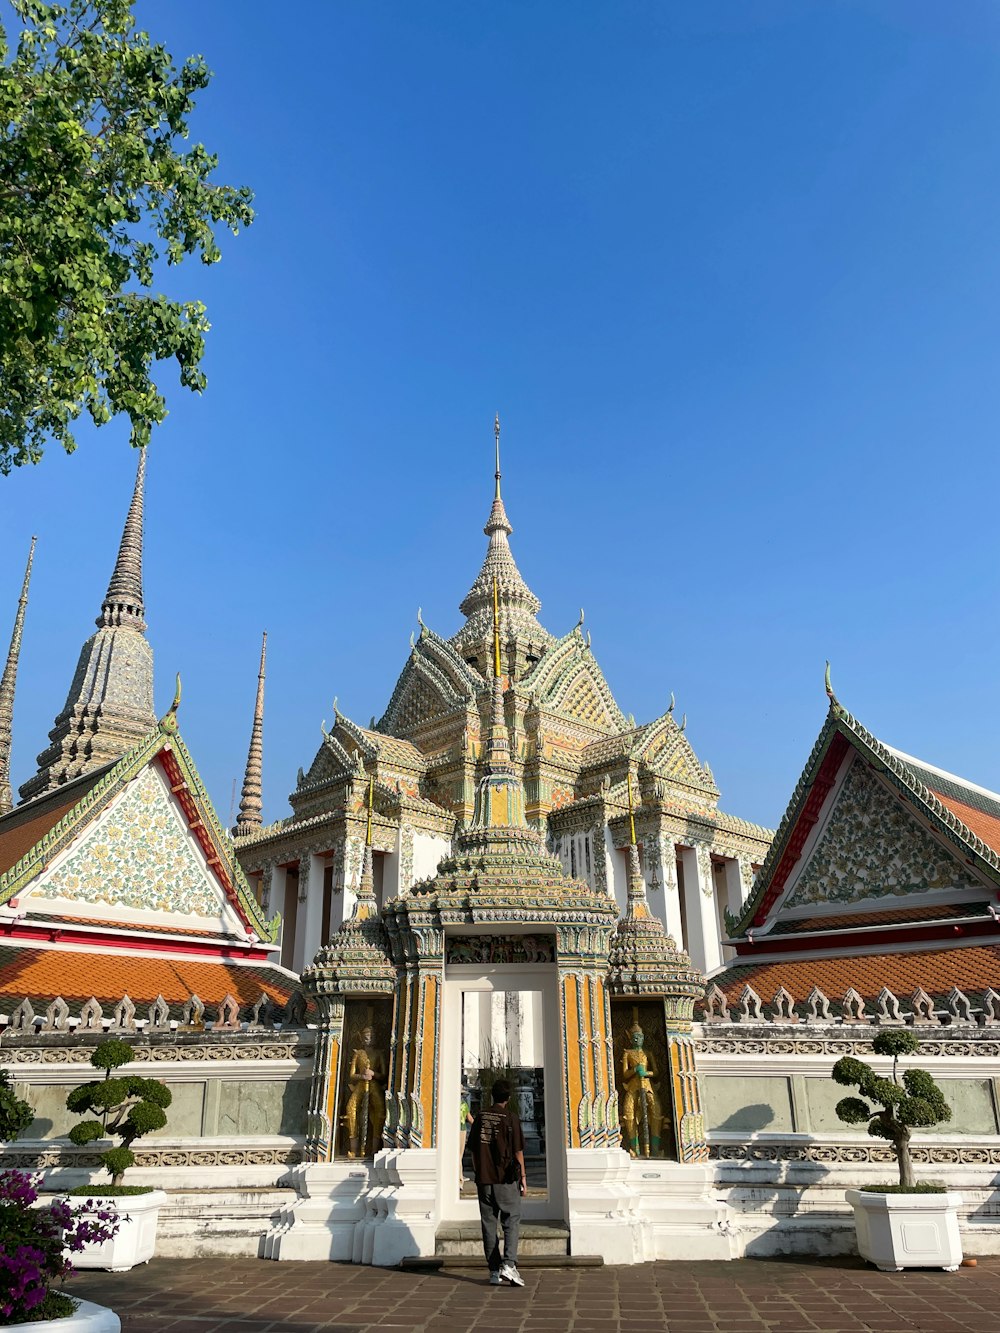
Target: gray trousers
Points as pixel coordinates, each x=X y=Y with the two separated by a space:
x=500 y=1204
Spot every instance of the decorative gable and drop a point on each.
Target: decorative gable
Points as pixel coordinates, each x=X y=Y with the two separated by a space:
x=136 y=859
x=873 y=846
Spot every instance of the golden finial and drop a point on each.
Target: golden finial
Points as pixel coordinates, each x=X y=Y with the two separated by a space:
x=496 y=629
x=169 y=720
x=496 y=436
x=631 y=815
x=371 y=802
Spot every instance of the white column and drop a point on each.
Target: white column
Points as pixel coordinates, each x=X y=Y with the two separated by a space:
x=699 y=900
x=669 y=907
x=617 y=871
x=310 y=916
x=734 y=887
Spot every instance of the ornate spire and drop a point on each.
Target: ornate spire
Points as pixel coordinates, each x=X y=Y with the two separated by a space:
x=109 y=708
x=638 y=906
x=366 y=905
x=7 y=684
x=251 y=800
x=123 y=600
x=518 y=604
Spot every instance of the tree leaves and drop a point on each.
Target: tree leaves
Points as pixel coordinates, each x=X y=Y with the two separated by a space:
x=99 y=192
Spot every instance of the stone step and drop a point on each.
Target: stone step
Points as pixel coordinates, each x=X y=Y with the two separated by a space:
x=469 y=1263
x=537 y=1239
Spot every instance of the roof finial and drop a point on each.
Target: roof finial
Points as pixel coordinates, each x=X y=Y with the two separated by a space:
x=123 y=603
x=252 y=798
x=834 y=701
x=7 y=684
x=168 y=722
x=496 y=436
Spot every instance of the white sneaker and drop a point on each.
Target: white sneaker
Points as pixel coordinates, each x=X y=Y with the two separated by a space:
x=510 y=1274
x=494 y=1279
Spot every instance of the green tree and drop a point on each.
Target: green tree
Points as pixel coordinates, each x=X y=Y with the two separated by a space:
x=15 y=1115
x=128 y=1106
x=98 y=188
x=916 y=1102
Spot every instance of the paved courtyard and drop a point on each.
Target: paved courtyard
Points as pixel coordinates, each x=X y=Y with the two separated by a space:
x=746 y=1296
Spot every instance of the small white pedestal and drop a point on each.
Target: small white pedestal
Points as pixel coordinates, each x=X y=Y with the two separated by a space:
x=321 y=1223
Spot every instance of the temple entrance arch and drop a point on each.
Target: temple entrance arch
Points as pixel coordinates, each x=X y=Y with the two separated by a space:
x=466 y=995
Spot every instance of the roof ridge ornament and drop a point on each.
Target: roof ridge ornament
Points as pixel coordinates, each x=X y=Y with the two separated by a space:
x=168 y=722
x=834 y=701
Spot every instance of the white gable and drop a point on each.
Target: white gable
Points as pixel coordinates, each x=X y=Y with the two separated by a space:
x=138 y=862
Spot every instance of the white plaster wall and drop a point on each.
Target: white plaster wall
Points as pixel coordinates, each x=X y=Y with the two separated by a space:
x=428 y=850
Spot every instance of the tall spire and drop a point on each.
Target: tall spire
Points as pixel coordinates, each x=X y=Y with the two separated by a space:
x=109 y=708
x=638 y=905
x=251 y=800
x=123 y=601
x=519 y=604
x=366 y=904
x=7 y=684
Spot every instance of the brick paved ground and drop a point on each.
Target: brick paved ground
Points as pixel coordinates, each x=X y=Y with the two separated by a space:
x=746 y=1296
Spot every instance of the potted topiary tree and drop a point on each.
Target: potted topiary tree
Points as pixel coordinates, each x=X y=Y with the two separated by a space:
x=33 y=1241
x=128 y=1106
x=909 y=1225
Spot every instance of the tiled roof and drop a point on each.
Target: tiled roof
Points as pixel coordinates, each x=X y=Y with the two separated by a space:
x=27 y=824
x=982 y=823
x=973 y=970
x=46 y=919
x=42 y=974
x=895 y=916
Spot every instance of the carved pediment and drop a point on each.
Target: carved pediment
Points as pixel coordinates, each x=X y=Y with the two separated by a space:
x=434 y=683
x=569 y=682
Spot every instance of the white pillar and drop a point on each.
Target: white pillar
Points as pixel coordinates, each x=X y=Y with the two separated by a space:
x=617 y=872
x=699 y=900
x=666 y=900
x=310 y=916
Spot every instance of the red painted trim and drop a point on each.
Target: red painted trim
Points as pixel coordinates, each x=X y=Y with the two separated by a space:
x=182 y=792
x=813 y=805
x=18 y=930
x=844 y=942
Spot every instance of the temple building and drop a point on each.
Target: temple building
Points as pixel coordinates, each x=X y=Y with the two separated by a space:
x=879 y=895
x=571 y=746
x=120 y=896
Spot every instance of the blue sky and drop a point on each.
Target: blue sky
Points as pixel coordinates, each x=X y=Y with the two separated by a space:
x=728 y=271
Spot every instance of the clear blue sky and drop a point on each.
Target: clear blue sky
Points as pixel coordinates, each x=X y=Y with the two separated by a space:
x=728 y=270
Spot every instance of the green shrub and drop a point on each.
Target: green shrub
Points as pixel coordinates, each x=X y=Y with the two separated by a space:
x=915 y=1102
x=128 y=1107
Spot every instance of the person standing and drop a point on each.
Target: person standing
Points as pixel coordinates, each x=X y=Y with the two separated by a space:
x=464 y=1121
x=496 y=1142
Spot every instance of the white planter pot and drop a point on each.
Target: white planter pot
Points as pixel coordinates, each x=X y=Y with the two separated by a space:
x=136 y=1238
x=89 y=1318
x=907 y=1230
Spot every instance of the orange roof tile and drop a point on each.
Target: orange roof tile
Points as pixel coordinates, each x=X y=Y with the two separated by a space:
x=42 y=974
x=983 y=825
x=18 y=836
x=972 y=969
x=848 y=920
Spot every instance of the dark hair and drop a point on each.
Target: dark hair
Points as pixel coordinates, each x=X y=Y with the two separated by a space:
x=500 y=1091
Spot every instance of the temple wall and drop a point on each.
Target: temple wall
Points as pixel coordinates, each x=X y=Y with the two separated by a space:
x=235 y=1128
x=782 y=1159
x=428 y=849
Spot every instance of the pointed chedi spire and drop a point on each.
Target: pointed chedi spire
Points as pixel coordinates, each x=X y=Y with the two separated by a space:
x=109 y=708
x=524 y=636
x=252 y=797
x=638 y=906
x=7 y=683
x=123 y=601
